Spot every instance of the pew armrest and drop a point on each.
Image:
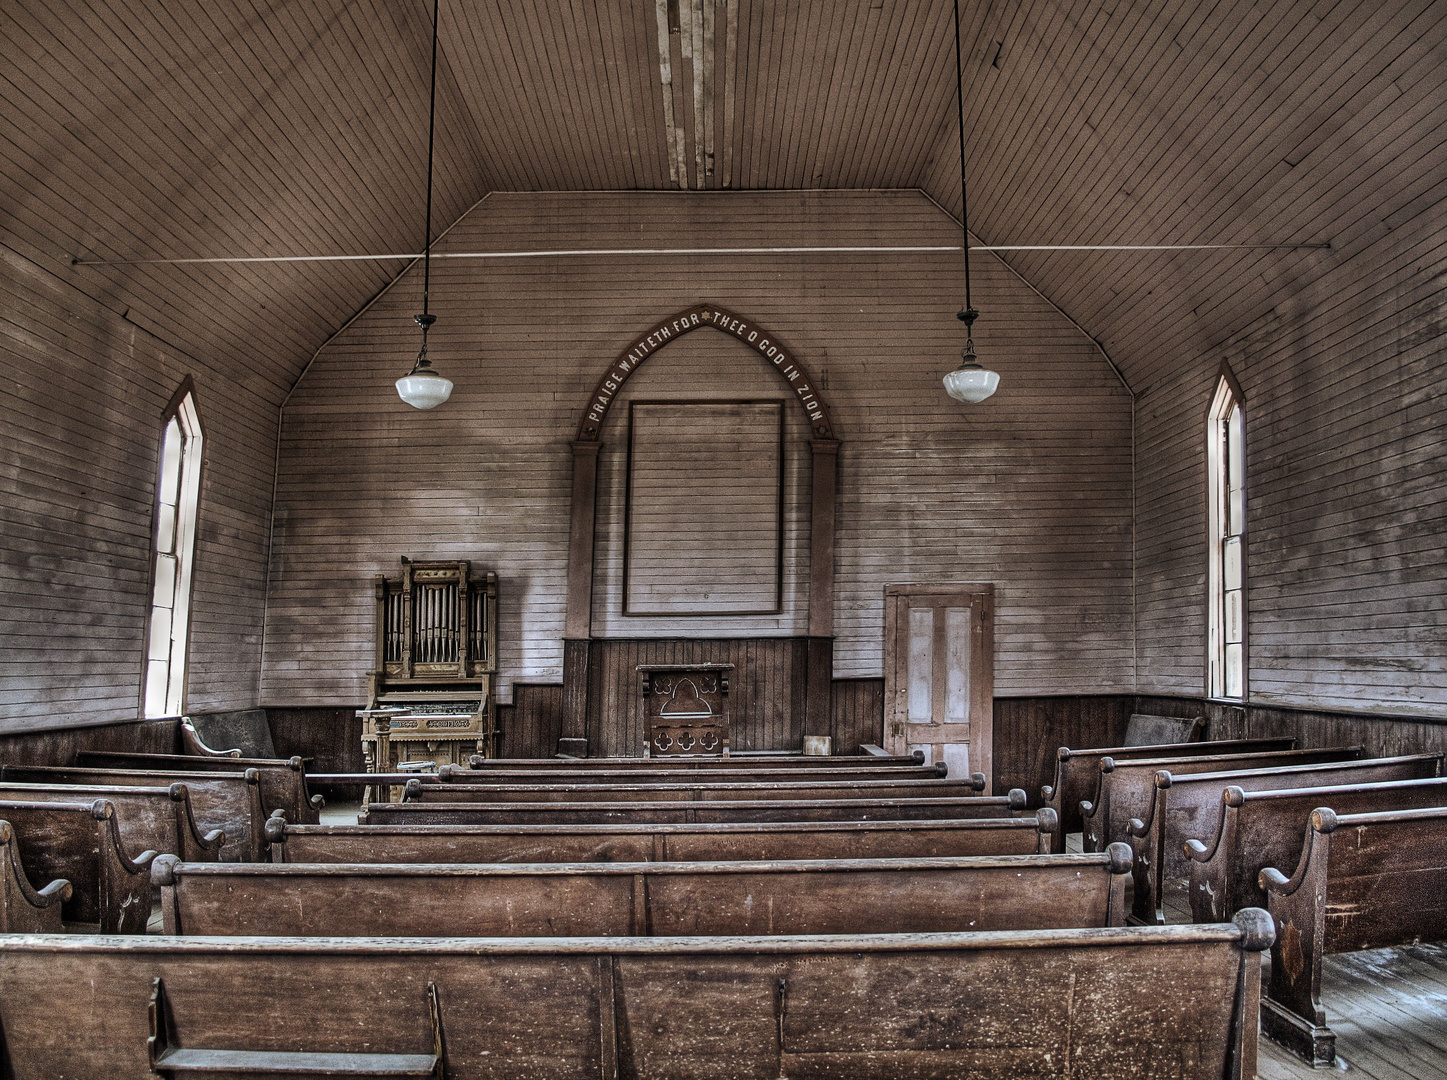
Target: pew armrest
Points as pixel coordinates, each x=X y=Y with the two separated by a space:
x=317 y=802
x=1274 y=881
x=56 y=892
x=1197 y=851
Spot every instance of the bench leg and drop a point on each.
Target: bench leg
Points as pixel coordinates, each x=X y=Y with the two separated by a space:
x=1315 y=1043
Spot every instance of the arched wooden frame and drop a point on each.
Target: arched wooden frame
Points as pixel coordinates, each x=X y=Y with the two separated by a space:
x=578 y=627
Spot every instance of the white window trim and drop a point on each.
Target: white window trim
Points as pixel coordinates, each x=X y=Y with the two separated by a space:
x=1226 y=398
x=188 y=499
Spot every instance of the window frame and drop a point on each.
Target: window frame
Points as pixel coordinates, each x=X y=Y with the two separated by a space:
x=185 y=411
x=1226 y=398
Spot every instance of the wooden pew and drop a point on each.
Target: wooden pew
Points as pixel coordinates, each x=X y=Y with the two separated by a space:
x=846 y=774
x=283 y=780
x=193 y=745
x=804 y=896
x=1177 y=1001
x=230 y=801
x=733 y=763
x=1382 y=885
x=1184 y=807
x=80 y=843
x=692 y=813
x=657 y=843
x=25 y=909
x=1257 y=829
x=690 y=792
x=160 y=819
x=1077 y=772
x=1123 y=789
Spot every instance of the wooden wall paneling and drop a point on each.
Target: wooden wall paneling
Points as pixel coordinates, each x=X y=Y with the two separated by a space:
x=1029 y=731
x=856 y=714
x=532 y=723
x=330 y=735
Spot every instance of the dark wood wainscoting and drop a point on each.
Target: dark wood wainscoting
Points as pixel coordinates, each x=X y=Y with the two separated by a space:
x=532 y=723
x=767 y=689
x=329 y=734
x=1382 y=734
x=856 y=713
x=1029 y=731
x=60 y=745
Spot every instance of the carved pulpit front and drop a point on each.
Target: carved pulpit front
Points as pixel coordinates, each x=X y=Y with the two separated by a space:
x=686 y=709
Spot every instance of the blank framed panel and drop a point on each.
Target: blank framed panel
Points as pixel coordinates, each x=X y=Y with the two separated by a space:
x=704 y=518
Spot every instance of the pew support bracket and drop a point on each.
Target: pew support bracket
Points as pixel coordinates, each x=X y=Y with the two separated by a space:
x=169 y=1060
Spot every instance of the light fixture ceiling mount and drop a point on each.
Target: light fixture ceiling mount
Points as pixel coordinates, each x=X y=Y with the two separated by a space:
x=422 y=387
x=970 y=382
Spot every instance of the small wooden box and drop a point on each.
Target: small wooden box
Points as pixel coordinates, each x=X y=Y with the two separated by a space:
x=686 y=709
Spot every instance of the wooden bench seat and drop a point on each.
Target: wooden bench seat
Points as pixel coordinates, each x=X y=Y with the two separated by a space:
x=80 y=843
x=1077 y=772
x=1176 y=1001
x=159 y=819
x=25 y=909
x=657 y=843
x=1382 y=884
x=1187 y=807
x=1257 y=829
x=897 y=773
x=691 y=813
x=691 y=792
x=1124 y=788
x=806 y=896
x=283 y=780
x=229 y=801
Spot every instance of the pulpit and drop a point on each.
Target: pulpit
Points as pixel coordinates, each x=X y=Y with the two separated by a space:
x=686 y=709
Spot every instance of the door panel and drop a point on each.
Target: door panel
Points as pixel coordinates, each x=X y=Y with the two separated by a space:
x=939 y=673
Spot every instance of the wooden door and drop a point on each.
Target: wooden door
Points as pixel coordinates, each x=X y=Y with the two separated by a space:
x=939 y=673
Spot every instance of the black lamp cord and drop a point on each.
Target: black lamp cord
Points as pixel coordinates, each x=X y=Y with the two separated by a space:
x=969 y=315
x=425 y=320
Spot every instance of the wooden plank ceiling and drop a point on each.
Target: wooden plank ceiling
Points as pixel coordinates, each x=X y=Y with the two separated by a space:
x=135 y=129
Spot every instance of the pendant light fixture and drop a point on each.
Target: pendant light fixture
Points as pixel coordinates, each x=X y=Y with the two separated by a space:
x=422 y=387
x=969 y=382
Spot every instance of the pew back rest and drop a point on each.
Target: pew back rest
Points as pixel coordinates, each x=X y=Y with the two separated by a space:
x=1125 y=788
x=806 y=896
x=658 y=843
x=230 y=801
x=1146 y=729
x=156 y=818
x=426 y=791
x=246 y=730
x=718 y=810
x=1258 y=829
x=283 y=780
x=751 y=1008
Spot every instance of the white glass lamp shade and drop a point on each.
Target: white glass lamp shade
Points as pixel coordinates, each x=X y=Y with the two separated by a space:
x=971 y=383
x=423 y=388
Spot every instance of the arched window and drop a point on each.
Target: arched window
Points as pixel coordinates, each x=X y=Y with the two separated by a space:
x=178 y=494
x=1226 y=575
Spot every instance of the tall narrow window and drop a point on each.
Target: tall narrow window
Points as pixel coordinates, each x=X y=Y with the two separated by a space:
x=1226 y=472
x=178 y=492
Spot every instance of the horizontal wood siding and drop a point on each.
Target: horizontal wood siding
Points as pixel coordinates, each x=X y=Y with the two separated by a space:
x=1031 y=490
x=856 y=714
x=531 y=724
x=80 y=421
x=1029 y=731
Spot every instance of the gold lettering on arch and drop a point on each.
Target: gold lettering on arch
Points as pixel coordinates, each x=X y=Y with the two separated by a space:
x=721 y=319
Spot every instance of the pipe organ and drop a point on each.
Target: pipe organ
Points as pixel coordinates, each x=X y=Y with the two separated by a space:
x=430 y=694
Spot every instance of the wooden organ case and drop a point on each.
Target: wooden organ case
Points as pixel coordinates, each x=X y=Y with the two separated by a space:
x=430 y=697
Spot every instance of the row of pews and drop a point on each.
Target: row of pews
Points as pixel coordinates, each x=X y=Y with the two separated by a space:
x=1344 y=851
x=750 y=916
